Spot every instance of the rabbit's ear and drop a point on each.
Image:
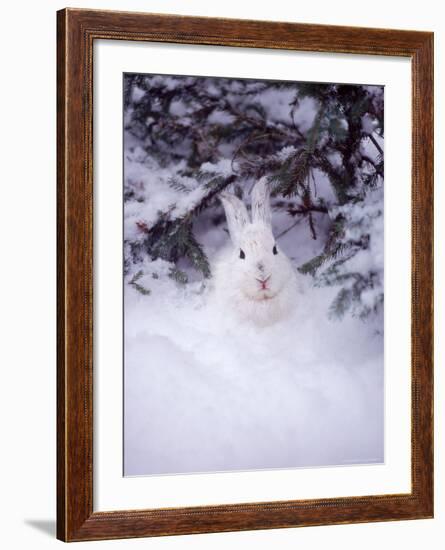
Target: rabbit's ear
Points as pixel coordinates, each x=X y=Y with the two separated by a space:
x=236 y=214
x=261 y=202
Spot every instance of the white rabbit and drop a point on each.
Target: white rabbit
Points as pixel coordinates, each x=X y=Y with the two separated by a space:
x=252 y=276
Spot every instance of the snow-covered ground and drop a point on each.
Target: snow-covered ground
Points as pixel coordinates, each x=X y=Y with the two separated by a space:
x=203 y=393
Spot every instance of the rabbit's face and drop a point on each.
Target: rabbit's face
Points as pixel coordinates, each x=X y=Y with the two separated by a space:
x=258 y=267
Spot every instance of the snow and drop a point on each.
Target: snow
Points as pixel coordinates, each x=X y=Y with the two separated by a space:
x=178 y=108
x=137 y=94
x=322 y=187
x=276 y=104
x=222 y=167
x=335 y=159
x=203 y=393
x=150 y=182
x=366 y=216
x=286 y=152
x=220 y=117
x=305 y=113
x=368 y=124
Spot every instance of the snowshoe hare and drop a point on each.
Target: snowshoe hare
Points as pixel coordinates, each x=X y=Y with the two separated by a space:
x=252 y=276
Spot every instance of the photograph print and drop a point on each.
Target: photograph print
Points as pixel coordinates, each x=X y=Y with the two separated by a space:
x=253 y=275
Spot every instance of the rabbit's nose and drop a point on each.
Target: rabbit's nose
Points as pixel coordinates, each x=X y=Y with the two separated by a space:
x=260 y=267
x=263 y=282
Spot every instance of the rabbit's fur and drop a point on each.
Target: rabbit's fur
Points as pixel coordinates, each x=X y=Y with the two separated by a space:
x=252 y=276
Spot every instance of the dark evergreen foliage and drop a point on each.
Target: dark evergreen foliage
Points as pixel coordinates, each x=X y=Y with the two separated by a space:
x=198 y=120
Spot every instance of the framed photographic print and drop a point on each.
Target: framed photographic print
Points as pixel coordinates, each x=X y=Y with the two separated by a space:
x=245 y=226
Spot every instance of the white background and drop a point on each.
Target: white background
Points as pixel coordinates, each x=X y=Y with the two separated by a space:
x=28 y=275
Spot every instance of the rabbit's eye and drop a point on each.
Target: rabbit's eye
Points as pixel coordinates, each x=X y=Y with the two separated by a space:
x=275 y=250
x=241 y=254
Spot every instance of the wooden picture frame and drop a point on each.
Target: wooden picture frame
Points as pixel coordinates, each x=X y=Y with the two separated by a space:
x=76 y=32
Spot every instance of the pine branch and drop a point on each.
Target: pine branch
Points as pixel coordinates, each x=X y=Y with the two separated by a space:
x=341 y=303
x=137 y=286
x=312 y=227
x=177 y=185
x=178 y=275
x=376 y=145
